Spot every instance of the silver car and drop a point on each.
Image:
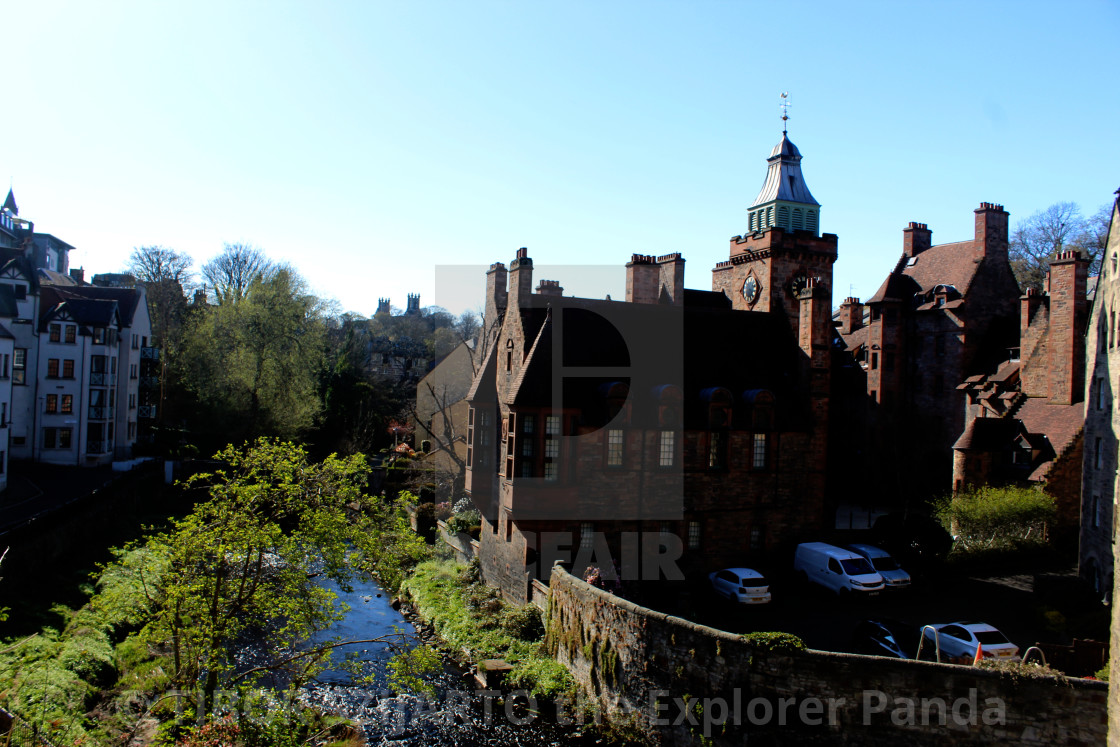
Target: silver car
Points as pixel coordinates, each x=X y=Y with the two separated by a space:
x=888 y=567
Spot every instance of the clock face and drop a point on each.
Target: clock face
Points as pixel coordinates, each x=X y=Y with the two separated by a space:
x=751 y=289
x=798 y=283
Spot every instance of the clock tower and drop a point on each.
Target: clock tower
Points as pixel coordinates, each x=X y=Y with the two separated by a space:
x=782 y=253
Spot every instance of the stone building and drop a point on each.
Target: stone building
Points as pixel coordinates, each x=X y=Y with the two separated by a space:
x=1102 y=426
x=622 y=431
x=946 y=312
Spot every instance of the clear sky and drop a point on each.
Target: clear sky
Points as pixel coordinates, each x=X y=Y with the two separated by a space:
x=370 y=143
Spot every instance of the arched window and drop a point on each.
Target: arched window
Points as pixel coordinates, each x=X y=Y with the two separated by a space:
x=754 y=221
x=811 y=220
x=783 y=217
x=797 y=224
x=769 y=216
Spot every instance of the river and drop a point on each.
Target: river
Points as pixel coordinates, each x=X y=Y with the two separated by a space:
x=459 y=714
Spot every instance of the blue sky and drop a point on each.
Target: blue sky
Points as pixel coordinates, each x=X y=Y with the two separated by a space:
x=370 y=143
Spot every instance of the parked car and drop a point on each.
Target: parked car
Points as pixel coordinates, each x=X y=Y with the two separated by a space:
x=837 y=569
x=886 y=637
x=743 y=585
x=959 y=641
x=887 y=567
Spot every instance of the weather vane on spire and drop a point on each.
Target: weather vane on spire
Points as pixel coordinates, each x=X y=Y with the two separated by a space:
x=785 y=110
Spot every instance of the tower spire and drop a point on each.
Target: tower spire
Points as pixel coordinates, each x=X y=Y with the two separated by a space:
x=784 y=106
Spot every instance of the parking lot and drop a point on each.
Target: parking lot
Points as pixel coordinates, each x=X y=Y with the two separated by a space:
x=826 y=622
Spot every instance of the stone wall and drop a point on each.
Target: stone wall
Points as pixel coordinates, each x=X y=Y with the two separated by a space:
x=711 y=686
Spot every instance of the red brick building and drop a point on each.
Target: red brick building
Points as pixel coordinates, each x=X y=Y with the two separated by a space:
x=676 y=416
x=945 y=313
x=1024 y=421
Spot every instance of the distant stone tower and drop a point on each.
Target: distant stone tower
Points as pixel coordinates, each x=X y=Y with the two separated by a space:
x=413 y=304
x=382 y=306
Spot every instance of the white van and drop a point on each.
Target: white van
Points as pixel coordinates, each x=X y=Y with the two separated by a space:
x=840 y=570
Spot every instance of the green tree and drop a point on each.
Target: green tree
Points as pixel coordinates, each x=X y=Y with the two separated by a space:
x=254 y=362
x=248 y=563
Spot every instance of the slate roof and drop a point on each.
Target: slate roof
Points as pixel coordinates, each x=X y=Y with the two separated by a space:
x=945 y=264
x=91 y=312
x=128 y=299
x=1059 y=423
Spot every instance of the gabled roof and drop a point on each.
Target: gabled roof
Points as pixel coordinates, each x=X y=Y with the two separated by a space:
x=945 y=264
x=128 y=299
x=90 y=312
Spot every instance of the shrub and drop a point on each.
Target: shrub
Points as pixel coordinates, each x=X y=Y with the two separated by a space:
x=465 y=522
x=88 y=654
x=522 y=622
x=1019 y=670
x=983 y=518
x=542 y=677
x=775 y=641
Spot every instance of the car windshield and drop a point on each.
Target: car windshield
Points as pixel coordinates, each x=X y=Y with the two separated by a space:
x=856 y=566
x=885 y=564
x=753 y=583
x=991 y=637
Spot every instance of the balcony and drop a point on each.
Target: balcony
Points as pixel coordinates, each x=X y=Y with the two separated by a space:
x=146 y=411
x=98 y=446
x=149 y=382
x=151 y=354
x=100 y=413
x=102 y=379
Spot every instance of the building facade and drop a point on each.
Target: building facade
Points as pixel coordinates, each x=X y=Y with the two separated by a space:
x=616 y=432
x=1102 y=427
x=946 y=312
x=76 y=355
x=1024 y=420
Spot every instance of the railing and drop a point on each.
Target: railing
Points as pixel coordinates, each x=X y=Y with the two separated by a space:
x=17 y=732
x=100 y=413
x=149 y=354
x=149 y=382
x=98 y=446
x=147 y=411
x=102 y=379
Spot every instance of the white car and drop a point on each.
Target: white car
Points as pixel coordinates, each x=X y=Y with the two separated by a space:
x=742 y=585
x=961 y=639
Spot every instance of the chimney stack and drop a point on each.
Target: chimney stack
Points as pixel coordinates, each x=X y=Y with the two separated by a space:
x=851 y=315
x=643 y=279
x=671 y=268
x=520 y=278
x=549 y=288
x=991 y=230
x=1069 y=273
x=916 y=238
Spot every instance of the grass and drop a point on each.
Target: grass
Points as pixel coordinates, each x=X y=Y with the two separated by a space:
x=472 y=618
